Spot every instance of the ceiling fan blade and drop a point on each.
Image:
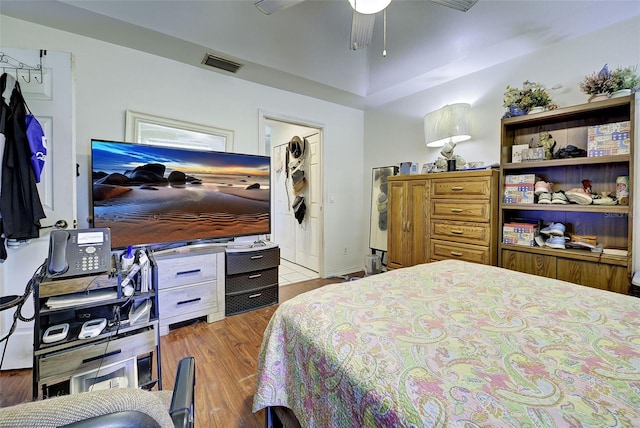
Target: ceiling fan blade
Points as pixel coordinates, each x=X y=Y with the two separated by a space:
x=463 y=5
x=361 y=30
x=270 y=6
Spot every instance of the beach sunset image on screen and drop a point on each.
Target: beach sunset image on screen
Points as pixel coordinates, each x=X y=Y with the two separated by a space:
x=150 y=194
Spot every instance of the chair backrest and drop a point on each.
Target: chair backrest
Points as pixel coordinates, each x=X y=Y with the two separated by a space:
x=117 y=420
x=183 y=399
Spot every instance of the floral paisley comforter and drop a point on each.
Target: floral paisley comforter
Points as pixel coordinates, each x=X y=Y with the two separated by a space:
x=454 y=344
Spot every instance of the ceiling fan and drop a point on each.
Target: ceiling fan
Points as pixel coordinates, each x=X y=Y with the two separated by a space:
x=364 y=12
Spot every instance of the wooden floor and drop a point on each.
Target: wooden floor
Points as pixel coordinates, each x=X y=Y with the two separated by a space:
x=226 y=362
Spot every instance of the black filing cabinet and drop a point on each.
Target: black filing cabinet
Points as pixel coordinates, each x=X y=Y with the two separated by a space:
x=251 y=278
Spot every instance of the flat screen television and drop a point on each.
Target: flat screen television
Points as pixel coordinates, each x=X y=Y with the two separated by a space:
x=152 y=195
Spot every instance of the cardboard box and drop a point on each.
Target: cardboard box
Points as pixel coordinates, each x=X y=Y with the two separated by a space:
x=519 y=238
x=535 y=154
x=521 y=179
x=520 y=227
x=518 y=194
x=520 y=234
x=407 y=168
x=609 y=139
x=516 y=152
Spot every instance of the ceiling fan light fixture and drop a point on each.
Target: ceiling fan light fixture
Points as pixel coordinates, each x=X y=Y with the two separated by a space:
x=368 y=7
x=461 y=5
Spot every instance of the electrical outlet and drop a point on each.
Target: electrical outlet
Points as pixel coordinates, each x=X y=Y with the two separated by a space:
x=345 y=251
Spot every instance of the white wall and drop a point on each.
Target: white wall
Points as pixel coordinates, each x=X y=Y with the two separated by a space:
x=110 y=79
x=394 y=133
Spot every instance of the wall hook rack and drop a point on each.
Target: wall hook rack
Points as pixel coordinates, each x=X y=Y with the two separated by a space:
x=9 y=63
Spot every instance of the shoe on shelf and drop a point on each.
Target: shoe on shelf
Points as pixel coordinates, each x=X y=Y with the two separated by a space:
x=542 y=187
x=583 y=241
x=544 y=198
x=539 y=240
x=559 y=198
x=579 y=196
x=605 y=201
x=554 y=229
x=556 y=242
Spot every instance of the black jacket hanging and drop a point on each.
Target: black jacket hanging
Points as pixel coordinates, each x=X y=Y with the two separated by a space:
x=20 y=204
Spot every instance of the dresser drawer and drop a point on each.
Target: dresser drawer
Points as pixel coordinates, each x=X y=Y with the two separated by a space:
x=243 y=302
x=187 y=268
x=460 y=210
x=460 y=231
x=249 y=261
x=187 y=299
x=90 y=356
x=461 y=188
x=251 y=280
x=442 y=250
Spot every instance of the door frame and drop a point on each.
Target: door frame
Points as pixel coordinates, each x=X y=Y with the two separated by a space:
x=263 y=117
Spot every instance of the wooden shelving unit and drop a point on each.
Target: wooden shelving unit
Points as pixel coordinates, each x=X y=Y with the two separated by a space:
x=612 y=225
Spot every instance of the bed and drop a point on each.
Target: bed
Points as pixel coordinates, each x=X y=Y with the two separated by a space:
x=453 y=343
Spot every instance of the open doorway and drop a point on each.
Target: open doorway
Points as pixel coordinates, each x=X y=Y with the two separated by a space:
x=299 y=239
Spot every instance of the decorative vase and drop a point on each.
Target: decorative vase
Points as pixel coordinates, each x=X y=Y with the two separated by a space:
x=516 y=111
x=538 y=109
x=598 y=97
x=621 y=93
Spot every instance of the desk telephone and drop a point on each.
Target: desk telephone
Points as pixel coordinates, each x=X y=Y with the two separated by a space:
x=79 y=252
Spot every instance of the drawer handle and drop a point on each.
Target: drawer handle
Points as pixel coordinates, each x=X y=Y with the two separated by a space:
x=457 y=231
x=188 y=272
x=457 y=188
x=457 y=254
x=255 y=276
x=98 y=357
x=257 y=257
x=253 y=296
x=184 y=302
x=456 y=210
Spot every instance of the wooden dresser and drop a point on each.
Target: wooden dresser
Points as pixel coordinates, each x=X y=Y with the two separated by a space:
x=459 y=211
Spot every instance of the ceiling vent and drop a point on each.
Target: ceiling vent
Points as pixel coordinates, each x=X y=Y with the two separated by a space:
x=221 y=63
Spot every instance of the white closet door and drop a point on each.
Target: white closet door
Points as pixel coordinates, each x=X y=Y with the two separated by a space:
x=52 y=103
x=285 y=222
x=307 y=234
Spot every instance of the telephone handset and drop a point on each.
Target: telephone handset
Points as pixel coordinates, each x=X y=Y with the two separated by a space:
x=58 y=252
x=79 y=252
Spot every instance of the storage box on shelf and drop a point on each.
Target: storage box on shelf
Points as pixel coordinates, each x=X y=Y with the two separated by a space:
x=520 y=233
x=252 y=278
x=190 y=284
x=612 y=224
x=125 y=352
x=609 y=139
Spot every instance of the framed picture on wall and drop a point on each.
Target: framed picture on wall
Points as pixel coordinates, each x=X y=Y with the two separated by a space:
x=379 y=206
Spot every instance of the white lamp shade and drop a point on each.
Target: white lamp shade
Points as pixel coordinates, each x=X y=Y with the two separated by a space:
x=368 y=7
x=451 y=123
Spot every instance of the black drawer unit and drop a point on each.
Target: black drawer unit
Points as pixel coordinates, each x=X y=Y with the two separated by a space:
x=244 y=302
x=243 y=282
x=251 y=280
x=239 y=261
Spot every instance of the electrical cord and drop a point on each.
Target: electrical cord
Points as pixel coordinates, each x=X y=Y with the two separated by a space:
x=116 y=321
x=35 y=278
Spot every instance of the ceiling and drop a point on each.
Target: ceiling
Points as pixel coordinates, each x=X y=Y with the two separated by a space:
x=305 y=48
